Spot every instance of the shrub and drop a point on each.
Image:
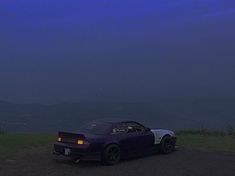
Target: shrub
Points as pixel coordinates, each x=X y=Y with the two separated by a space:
x=202 y=131
x=1 y=130
x=230 y=130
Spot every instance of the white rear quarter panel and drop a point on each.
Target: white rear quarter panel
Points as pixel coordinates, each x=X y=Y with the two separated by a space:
x=160 y=133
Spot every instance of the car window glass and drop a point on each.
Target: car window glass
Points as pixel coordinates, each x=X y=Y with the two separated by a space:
x=120 y=128
x=98 y=128
x=133 y=127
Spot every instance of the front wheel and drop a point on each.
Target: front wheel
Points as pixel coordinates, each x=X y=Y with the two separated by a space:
x=167 y=145
x=111 y=154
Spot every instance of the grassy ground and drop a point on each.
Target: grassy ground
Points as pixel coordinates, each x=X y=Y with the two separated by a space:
x=13 y=143
x=207 y=142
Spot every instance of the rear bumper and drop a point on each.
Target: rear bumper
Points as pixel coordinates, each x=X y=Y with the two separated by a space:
x=83 y=153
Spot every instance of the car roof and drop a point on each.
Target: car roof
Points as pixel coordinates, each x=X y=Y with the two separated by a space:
x=114 y=120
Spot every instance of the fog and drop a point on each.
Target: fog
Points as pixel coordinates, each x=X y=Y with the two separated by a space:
x=53 y=51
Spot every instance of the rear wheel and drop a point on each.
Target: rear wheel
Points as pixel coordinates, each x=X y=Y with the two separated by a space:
x=111 y=154
x=167 y=145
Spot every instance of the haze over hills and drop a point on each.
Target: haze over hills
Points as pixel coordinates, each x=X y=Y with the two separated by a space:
x=163 y=113
x=116 y=59
x=108 y=50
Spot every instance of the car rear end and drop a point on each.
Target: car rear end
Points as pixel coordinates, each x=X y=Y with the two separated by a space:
x=72 y=145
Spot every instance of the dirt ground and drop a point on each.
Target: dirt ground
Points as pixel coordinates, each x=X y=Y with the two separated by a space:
x=184 y=162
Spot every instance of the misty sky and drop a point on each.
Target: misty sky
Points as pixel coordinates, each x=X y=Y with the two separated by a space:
x=56 y=50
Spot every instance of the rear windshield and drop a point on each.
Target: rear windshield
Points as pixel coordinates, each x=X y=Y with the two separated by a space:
x=96 y=128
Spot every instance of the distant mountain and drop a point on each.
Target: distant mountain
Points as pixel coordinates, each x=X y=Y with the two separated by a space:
x=5 y=103
x=168 y=113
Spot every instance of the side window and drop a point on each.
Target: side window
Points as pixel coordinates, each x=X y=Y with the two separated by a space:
x=120 y=128
x=133 y=127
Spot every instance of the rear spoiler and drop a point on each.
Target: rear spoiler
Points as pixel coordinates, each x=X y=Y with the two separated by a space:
x=70 y=135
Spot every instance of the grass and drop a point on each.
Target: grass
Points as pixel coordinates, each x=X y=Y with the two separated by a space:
x=10 y=144
x=13 y=143
x=208 y=142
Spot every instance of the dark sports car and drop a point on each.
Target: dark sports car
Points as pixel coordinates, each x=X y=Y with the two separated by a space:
x=112 y=140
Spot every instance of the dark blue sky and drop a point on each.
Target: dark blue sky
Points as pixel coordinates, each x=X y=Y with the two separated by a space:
x=116 y=49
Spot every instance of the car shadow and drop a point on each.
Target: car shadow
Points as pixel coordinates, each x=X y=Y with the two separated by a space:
x=91 y=163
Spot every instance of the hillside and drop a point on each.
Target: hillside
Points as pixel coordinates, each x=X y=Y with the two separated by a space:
x=170 y=113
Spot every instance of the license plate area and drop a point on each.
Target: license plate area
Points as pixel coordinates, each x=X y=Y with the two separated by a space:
x=67 y=151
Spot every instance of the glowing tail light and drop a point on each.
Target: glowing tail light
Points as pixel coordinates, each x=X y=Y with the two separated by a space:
x=80 y=142
x=59 y=139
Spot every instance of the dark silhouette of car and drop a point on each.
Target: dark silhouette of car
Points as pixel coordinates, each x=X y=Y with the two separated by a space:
x=113 y=139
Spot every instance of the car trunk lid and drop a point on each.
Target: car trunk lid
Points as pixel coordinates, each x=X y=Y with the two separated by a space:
x=71 y=138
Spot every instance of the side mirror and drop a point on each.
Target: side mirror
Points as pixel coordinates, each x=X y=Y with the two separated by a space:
x=147 y=129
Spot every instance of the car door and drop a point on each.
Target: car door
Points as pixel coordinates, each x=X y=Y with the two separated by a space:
x=119 y=133
x=140 y=137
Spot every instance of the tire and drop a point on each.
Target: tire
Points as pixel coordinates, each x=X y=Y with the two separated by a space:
x=167 y=145
x=111 y=154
